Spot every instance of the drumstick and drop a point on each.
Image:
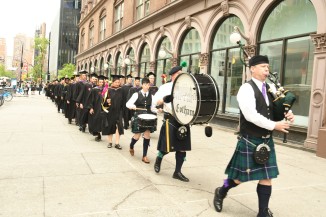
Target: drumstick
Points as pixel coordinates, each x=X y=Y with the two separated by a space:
x=140 y=109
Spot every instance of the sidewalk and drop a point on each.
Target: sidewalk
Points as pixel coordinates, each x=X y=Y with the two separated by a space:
x=50 y=169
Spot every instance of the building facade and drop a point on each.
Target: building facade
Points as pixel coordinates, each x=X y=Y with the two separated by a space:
x=138 y=36
x=64 y=36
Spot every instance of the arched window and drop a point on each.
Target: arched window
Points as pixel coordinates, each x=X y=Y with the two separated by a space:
x=226 y=66
x=82 y=40
x=190 y=50
x=163 y=59
x=130 y=69
x=91 y=34
x=102 y=26
x=290 y=50
x=145 y=56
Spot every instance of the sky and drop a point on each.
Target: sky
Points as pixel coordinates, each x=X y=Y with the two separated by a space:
x=25 y=16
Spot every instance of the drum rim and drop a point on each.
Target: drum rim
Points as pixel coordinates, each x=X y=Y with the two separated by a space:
x=217 y=101
x=150 y=115
x=197 y=110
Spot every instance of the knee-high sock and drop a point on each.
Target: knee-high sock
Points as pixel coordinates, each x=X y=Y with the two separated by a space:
x=161 y=154
x=145 y=146
x=227 y=185
x=264 y=193
x=179 y=158
x=132 y=143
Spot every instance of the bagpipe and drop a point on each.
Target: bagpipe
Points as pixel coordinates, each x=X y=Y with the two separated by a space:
x=283 y=99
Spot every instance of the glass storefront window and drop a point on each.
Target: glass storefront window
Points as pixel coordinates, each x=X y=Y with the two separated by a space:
x=130 y=69
x=190 y=51
x=295 y=17
x=145 y=58
x=163 y=63
x=226 y=65
x=290 y=50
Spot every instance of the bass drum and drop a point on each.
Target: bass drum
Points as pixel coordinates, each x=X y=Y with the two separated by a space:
x=195 y=98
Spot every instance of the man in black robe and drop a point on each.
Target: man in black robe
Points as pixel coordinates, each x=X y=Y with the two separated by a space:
x=126 y=112
x=95 y=107
x=82 y=90
x=153 y=88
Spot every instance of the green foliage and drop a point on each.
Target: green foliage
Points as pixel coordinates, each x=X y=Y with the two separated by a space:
x=40 y=46
x=67 y=70
x=5 y=73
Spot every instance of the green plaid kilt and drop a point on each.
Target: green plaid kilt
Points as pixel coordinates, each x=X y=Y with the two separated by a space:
x=243 y=167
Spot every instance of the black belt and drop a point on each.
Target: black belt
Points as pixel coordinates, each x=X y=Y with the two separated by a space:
x=167 y=115
x=255 y=137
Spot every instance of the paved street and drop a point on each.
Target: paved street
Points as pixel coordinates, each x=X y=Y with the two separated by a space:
x=50 y=169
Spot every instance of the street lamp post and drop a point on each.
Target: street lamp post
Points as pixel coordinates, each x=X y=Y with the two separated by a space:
x=21 y=66
x=48 y=72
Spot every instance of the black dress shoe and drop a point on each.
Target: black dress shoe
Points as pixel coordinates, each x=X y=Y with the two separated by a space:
x=117 y=146
x=157 y=165
x=180 y=176
x=218 y=200
x=97 y=139
x=266 y=213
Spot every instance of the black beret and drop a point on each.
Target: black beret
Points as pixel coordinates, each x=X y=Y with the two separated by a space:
x=175 y=69
x=258 y=59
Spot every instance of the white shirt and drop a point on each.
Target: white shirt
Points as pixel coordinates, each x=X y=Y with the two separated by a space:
x=131 y=102
x=164 y=90
x=247 y=103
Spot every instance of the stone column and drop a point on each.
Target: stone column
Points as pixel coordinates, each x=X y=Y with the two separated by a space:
x=248 y=51
x=152 y=66
x=204 y=62
x=174 y=62
x=317 y=114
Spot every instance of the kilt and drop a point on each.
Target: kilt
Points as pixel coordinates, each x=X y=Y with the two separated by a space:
x=168 y=140
x=136 y=123
x=243 y=167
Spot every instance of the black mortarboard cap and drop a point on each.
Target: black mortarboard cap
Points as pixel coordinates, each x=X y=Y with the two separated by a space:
x=115 y=77
x=101 y=77
x=175 y=69
x=137 y=78
x=93 y=75
x=258 y=59
x=82 y=72
x=129 y=76
x=150 y=73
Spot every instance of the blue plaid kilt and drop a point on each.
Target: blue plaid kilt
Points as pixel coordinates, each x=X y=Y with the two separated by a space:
x=243 y=167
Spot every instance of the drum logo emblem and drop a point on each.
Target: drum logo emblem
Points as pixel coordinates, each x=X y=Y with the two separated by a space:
x=184 y=110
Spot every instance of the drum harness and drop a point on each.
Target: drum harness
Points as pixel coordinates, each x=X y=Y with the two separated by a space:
x=182 y=130
x=262 y=151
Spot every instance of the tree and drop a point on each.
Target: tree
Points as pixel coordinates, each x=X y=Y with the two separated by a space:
x=40 y=46
x=5 y=73
x=67 y=70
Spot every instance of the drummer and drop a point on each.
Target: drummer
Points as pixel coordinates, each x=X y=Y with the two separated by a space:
x=141 y=102
x=174 y=137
